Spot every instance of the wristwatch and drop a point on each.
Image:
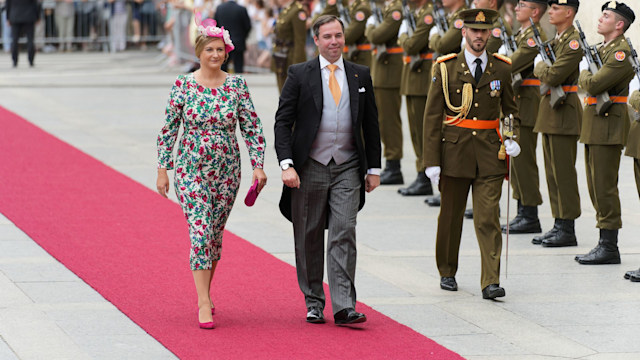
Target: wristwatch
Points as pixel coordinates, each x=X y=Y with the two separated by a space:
x=285 y=166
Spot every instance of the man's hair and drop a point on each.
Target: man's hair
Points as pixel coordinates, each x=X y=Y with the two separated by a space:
x=325 y=19
x=626 y=21
x=499 y=4
x=541 y=7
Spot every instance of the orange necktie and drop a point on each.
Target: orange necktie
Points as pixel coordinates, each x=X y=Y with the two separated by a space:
x=333 y=84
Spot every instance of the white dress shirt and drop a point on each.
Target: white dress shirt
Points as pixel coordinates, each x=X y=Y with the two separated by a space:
x=471 y=60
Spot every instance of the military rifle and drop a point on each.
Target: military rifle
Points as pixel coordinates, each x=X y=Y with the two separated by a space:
x=381 y=50
x=440 y=18
x=343 y=13
x=636 y=68
x=593 y=59
x=549 y=57
x=415 y=61
x=511 y=46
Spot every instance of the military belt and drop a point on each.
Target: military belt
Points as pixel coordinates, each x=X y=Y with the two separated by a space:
x=427 y=56
x=568 y=89
x=530 y=82
x=476 y=124
x=393 y=50
x=361 y=47
x=592 y=100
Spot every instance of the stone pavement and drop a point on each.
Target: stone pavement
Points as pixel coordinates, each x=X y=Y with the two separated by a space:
x=111 y=107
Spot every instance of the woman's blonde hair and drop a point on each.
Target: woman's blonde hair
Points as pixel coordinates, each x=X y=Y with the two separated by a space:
x=203 y=40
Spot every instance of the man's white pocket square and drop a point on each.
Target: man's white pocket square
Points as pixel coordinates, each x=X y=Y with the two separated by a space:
x=361 y=90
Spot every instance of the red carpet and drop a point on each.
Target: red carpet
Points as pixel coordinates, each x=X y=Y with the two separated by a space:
x=131 y=245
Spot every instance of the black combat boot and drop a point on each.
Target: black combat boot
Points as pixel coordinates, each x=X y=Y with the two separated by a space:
x=565 y=236
x=526 y=222
x=606 y=252
x=391 y=175
x=537 y=240
x=433 y=201
x=421 y=186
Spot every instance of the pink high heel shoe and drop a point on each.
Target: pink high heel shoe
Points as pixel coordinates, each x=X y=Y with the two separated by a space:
x=207 y=326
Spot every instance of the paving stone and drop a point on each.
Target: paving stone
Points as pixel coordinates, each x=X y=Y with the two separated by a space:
x=5 y=351
x=60 y=292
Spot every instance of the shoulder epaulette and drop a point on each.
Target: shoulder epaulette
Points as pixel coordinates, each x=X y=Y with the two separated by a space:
x=447 y=57
x=502 y=57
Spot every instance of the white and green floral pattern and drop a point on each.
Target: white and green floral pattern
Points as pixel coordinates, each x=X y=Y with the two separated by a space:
x=207 y=167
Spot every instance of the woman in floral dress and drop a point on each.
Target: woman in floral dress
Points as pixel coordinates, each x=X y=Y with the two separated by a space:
x=208 y=103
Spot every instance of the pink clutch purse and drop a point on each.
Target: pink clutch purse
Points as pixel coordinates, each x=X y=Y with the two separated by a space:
x=252 y=195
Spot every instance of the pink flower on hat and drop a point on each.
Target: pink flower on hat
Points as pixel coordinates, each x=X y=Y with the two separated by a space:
x=208 y=28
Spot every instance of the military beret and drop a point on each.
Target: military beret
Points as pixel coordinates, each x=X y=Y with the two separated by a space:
x=479 y=18
x=573 y=3
x=621 y=9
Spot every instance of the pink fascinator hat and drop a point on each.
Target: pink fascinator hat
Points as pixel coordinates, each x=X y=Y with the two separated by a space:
x=208 y=28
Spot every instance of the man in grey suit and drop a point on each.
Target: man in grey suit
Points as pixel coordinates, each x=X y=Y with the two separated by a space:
x=328 y=146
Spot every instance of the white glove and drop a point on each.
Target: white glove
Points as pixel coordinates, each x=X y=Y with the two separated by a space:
x=583 y=64
x=433 y=173
x=512 y=148
x=404 y=29
x=371 y=21
x=317 y=9
x=537 y=60
x=634 y=85
x=502 y=50
x=433 y=31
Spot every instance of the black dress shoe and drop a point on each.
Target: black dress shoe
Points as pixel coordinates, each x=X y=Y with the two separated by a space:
x=526 y=222
x=635 y=277
x=349 y=316
x=448 y=283
x=492 y=291
x=314 y=315
x=565 y=236
x=628 y=274
x=468 y=214
x=606 y=252
x=537 y=240
x=420 y=186
x=391 y=175
x=433 y=201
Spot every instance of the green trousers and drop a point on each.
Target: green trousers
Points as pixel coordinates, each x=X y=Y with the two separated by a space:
x=525 y=180
x=388 y=102
x=415 y=113
x=602 y=163
x=562 y=179
x=486 y=194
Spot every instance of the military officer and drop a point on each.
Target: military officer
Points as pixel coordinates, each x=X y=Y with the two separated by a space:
x=357 y=48
x=525 y=180
x=416 y=76
x=560 y=125
x=386 y=71
x=495 y=41
x=604 y=135
x=289 y=43
x=449 y=42
x=468 y=91
x=633 y=150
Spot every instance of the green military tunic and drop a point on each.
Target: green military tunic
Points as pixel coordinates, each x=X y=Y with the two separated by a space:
x=495 y=42
x=450 y=41
x=331 y=8
x=560 y=127
x=525 y=180
x=633 y=142
x=468 y=157
x=354 y=36
x=386 y=71
x=289 y=43
x=605 y=136
x=416 y=78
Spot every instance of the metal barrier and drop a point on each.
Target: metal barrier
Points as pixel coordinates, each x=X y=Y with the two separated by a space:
x=98 y=24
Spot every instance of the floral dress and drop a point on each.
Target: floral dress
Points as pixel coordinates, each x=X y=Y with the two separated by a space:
x=207 y=166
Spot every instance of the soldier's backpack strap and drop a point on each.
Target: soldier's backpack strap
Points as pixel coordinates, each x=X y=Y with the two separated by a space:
x=467 y=93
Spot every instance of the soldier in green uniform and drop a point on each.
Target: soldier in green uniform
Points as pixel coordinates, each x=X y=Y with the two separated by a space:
x=416 y=78
x=469 y=90
x=605 y=135
x=633 y=150
x=525 y=180
x=357 y=48
x=495 y=41
x=560 y=126
x=291 y=33
x=386 y=71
